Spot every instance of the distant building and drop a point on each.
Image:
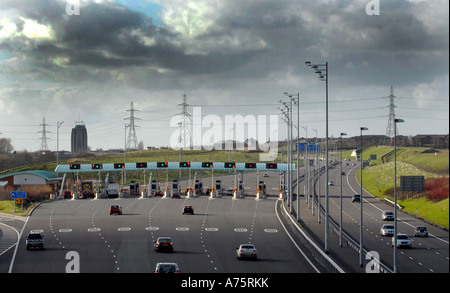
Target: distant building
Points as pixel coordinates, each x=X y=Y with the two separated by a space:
x=79 y=138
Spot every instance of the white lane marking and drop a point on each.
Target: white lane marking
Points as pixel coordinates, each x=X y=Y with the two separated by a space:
x=211 y=229
x=124 y=229
x=182 y=228
x=37 y=231
x=66 y=230
x=152 y=228
x=270 y=230
x=240 y=229
x=94 y=229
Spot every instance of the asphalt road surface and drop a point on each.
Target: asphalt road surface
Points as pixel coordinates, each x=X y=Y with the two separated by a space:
x=428 y=255
x=203 y=243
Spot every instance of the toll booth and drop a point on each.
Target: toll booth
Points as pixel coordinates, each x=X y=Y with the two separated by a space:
x=175 y=186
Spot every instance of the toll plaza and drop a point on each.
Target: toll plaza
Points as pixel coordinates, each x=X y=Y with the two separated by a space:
x=193 y=185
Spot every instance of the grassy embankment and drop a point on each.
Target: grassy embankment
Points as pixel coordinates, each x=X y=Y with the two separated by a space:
x=379 y=180
x=7 y=207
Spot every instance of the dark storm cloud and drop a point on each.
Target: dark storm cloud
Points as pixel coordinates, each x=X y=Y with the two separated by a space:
x=108 y=35
x=219 y=51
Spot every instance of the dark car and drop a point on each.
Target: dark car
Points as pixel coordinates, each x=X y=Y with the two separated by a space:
x=421 y=231
x=35 y=240
x=356 y=197
x=158 y=193
x=175 y=195
x=163 y=244
x=188 y=210
x=115 y=209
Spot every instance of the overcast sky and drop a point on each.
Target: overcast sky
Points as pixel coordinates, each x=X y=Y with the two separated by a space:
x=228 y=56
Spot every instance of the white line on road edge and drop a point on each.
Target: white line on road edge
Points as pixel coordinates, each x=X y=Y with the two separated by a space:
x=17 y=245
x=308 y=239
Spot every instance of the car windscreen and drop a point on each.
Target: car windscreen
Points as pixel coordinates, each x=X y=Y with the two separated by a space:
x=247 y=247
x=167 y=269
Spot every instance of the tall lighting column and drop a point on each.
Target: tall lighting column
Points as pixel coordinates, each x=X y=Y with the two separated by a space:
x=287 y=114
x=340 y=216
x=395 y=192
x=58 y=125
x=361 y=204
x=296 y=100
x=320 y=69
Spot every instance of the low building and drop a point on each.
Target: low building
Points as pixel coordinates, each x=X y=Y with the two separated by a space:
x=36 y=182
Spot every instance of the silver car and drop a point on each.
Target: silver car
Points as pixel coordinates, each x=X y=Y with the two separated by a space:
x=167 y=267
x=403 y=240
x=246 y=251
x=387 y=216
x=387 y=230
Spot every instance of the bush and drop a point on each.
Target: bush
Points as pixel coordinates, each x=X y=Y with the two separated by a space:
x=437 y=188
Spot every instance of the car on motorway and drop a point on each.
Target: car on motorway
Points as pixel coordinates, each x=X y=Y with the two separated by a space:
x=115 y=209
x=34 y=240
x=356 y=197
x=331 y=183
x=188 y=210
x=158 y=193
x=163 y=244
x=387 y=230
x=387 y=216
x=230 y=192
x=167 y=268
x=403 y=240
x=421 y=231
x=246 y=251
x=175 y=195
x=266 y=174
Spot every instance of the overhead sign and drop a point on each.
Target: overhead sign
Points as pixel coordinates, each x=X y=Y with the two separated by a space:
x=311 y=147
x=18 y=194
x=110 y=167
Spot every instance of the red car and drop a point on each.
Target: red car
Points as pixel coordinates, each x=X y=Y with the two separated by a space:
x=115 y=209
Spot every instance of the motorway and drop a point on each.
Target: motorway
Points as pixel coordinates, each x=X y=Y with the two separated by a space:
x=206 y=242
x=427 y=255
x=203 y=243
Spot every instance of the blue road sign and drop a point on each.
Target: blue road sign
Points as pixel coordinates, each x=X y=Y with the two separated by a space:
x=18 y=194
x=311 y=147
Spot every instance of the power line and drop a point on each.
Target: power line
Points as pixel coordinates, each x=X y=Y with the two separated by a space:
x=44 y=146
x=391 y=128
x=132 y=142
x=185 y=138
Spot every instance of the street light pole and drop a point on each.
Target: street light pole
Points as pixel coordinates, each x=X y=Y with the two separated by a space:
x=340 y=216
x=319 y=70
x=287 y=114
x=296 y=101
x=395 y=193
x=58 y=125
x=361 y=203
